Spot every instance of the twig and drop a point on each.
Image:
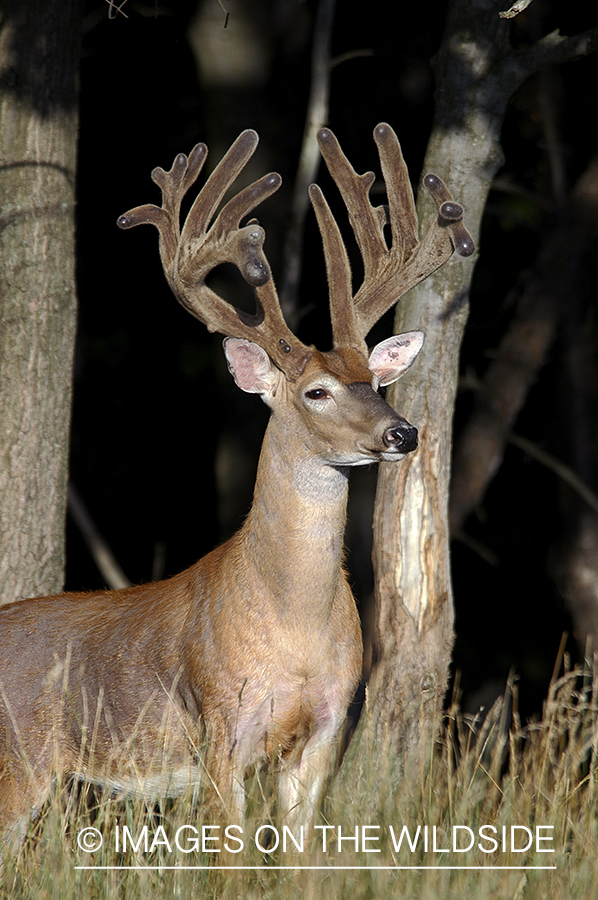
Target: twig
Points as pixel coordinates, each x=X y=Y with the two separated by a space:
x=99 y=549
x=563 y=471
x=517 y=7
x=554 y=48
x=478 y=548
x=114 y=9
x=309 y=160
x=554 y=145
x=363 y=53
x=226 y=13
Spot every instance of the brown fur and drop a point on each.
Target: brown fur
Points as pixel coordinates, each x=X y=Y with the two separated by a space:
x=256 y=648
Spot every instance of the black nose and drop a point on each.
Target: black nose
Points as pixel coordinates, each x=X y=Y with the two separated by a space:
x=402 y=437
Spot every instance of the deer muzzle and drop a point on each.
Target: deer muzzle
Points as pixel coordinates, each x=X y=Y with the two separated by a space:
x=401 y=437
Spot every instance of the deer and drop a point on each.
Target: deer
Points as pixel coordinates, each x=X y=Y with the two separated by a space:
x=255 y=649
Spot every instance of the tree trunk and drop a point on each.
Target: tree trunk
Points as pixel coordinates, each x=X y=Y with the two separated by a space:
x=476 y=75
x=39 y=54
x=414 y=606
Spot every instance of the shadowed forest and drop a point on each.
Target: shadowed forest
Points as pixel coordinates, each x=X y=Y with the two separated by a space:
x=164 y=446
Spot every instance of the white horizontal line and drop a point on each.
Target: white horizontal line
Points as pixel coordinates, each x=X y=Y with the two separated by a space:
x=308 y=868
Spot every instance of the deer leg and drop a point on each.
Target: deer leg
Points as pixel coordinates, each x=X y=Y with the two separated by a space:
x=302 y=783
x=20 y=803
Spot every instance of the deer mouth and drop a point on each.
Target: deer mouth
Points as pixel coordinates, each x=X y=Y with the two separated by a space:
x=366 y=456
x=393 y=455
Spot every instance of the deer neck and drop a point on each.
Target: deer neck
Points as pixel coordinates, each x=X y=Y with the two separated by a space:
x=294 y=533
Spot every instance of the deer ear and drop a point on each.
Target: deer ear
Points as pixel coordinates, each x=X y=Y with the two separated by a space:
x=389 y=359
x=250 y=366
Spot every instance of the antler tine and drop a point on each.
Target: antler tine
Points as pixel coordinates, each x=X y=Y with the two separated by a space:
x=174 y=184
x=450 y=213
x=388 y=272
x=209 y=198
x=338 y=269
x=401 y=204
x=188 y=256
x=366 y=221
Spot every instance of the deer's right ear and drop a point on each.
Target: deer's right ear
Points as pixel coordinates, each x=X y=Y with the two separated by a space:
x=250 y=366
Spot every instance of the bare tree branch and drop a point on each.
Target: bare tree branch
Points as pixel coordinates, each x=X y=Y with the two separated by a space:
x=309 y=160
x=521 y=353
x=517 y=7
x=559 y=468
x=552 y=49
x=102 y=554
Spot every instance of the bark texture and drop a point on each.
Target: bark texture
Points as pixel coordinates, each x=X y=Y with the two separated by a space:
x=476 y=74
x=39 y=54
x=414 y=605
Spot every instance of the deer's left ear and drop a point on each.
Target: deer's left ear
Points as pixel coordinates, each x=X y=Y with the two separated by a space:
x=389 y=359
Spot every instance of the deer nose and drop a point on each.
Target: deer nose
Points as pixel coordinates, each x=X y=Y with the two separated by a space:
x=401 y=437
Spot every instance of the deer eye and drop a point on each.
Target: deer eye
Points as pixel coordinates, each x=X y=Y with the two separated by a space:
x=317 y=394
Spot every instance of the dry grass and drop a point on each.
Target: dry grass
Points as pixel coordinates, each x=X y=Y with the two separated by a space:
x=492 y=771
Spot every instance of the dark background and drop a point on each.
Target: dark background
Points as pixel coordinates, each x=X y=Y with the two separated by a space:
x=155 y=413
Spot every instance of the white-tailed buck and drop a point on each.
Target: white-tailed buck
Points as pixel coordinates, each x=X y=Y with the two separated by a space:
x=256 y=649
